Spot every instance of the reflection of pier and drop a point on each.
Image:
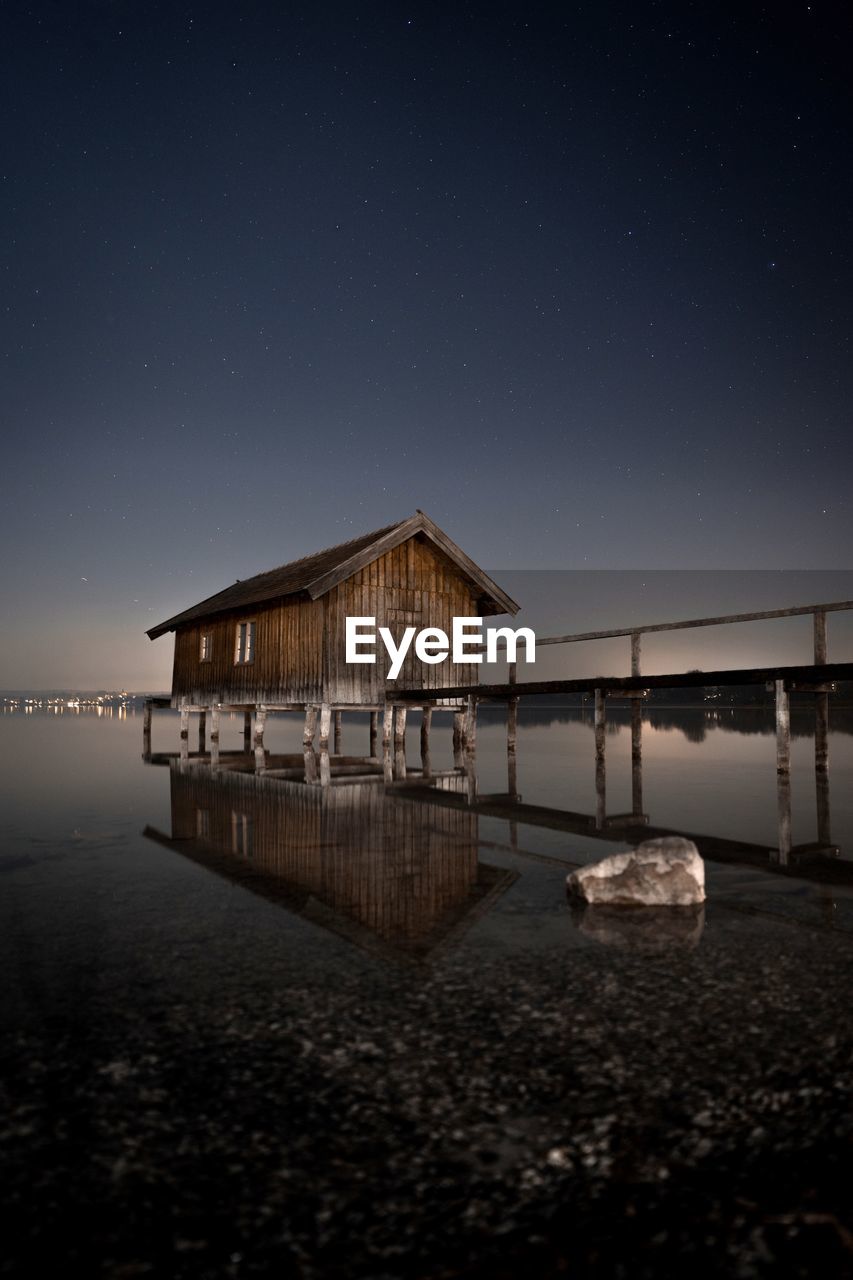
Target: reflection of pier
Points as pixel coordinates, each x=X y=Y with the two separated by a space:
x=326 y=840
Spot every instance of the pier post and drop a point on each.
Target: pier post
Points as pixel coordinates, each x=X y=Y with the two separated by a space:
x=214 y=752
x=260 y=725
x=338 y=733
x=214 y=724
x=185 y=721
x=325 y=726
x=387 y=724
x=202 y=730
x=600 y=770
x=247 y=729
x=310 y=727
x=374 y=732
x=635 y=653
x=146 y=731
x=325 y=768
x=783 y=729
x=821 y=732
x=399 y=725
x=458 y=730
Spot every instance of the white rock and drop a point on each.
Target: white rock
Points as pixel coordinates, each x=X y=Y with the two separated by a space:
x=659 y=873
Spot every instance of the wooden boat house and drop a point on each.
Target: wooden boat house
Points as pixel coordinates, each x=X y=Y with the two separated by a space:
x=276 y=641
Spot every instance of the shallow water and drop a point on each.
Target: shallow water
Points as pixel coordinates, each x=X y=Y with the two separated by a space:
x=398 y=966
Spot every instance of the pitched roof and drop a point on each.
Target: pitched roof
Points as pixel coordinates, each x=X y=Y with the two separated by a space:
x=316 y=574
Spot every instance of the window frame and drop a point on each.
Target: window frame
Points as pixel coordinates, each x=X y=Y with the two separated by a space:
x=205 y=646
x=250 y=642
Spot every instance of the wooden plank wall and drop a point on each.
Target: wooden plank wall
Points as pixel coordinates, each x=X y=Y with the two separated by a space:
x=300 y=644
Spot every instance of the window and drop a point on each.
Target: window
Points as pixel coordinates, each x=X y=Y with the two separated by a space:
x=245 y=647
x=204 y=647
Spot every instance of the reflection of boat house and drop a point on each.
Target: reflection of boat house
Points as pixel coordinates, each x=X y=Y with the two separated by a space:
x=276 y=641
x=383 y=872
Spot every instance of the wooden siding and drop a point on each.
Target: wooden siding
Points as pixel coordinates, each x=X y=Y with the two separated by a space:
x=300 y=644
x=403 y=873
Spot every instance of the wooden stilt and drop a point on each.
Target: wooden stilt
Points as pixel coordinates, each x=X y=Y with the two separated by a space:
x=400 y=769
x=310 y=726
x=387 y=723
x=426 y=726
x=783 y=729
x=374 y=733
x=146 y=718
x=399 y=725
x=458 y=730
x=387 y=763
x=214 y=724
x=214 y=752
x=325 y=724
x=185 y=722
x=470 y=732
x=338 y=734
x=325 y=768
x=260 y=724
x=247 y=729
x=310 y=761
x=202 y=730
x=260 y=756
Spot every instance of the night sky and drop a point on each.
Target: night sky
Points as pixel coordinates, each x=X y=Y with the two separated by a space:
x=574 y=279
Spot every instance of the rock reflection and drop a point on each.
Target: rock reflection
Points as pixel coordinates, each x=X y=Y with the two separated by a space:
x=650 y=930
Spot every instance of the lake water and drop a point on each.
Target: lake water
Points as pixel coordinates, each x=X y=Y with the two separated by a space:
x=253 y=1023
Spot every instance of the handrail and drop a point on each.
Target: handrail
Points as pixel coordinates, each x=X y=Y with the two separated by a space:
x=834 y=607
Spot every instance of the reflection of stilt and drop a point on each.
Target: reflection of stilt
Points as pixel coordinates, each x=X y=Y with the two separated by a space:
x=310 y=762
x=821 y=732
x=426 y=725
x=636 y=756
x=202 y=731
x=783 y=729
x=783 y=795
x=374 y=732
x=247 y=730
x=600 y=777
x=338 y=732
x=325 y=769
x=824 y=835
